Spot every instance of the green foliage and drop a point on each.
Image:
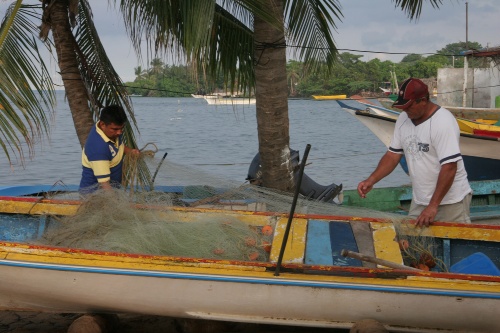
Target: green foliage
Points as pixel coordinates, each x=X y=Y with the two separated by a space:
x=349 y=75
x=162 y=80
x=412 y=57
x=453 y=52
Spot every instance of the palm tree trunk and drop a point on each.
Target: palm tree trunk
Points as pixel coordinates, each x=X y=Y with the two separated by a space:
x=272 y=105
x=68 y=64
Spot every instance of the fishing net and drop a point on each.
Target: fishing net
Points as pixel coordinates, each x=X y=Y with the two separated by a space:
x=144 y=219
x=418 y=247
x=109 y=221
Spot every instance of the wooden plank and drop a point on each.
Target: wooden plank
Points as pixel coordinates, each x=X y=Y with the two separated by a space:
x=295 y=247
x=384 y=242
x=364 y=239
x=342 y=238
x=318 y=248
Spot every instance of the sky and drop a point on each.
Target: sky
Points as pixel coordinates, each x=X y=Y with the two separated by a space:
x=369 y=25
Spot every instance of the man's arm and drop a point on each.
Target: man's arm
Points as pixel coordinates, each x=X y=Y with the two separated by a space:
x=443 y=185
x=387 y=164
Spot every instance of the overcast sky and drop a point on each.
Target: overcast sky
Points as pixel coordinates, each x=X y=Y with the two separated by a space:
x=370 y=25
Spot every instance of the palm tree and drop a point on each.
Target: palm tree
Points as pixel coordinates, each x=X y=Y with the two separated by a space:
x=23 y=113
x=243 y=40
x=89 y=79
x=139 y=73
x=156 y=66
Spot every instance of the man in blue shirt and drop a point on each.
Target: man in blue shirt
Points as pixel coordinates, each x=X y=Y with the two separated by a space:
x=102 y=155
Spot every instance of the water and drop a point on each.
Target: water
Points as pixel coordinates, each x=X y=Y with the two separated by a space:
x=220 y=140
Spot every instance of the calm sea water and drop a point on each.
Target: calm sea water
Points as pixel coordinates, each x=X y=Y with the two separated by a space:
x=219 y=140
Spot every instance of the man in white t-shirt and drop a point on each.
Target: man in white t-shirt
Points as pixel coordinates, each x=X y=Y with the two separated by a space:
x=428 y=136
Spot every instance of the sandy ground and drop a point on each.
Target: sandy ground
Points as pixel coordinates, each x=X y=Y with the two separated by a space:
x=37 y=322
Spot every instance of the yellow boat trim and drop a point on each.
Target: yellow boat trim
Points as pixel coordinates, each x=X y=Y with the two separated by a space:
x=328 y=97
x=469 y=126
x=37 y=208
x=161 y=264
x=456 y=232
x=384 y=242
x=296 y=245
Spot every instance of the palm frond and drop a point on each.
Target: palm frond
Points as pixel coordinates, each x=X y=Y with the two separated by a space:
x=214 y=36
x=103 y=83
x=413 y=8
x=309 y=27
x=27 y=96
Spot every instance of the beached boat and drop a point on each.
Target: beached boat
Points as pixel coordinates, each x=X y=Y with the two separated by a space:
x=481 y=154
x=328 y=97
x=320 y=279
x=479 y=127
x=460 y=112
x=229 y=100
x=485 y=204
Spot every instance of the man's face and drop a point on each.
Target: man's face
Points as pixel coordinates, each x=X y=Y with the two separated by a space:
x=416 y=109
x=112 y=130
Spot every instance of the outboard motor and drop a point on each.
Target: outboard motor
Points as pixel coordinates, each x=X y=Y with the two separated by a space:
x=308 y=188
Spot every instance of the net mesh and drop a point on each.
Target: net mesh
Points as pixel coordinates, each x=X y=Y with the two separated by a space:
x=142 y=219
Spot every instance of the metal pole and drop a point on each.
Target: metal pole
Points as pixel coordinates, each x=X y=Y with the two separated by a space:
x=466 y=62
x=292 y=210
x=157 y=169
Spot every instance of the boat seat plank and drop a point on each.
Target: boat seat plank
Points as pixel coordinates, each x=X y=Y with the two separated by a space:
x=318 y=248
x=325 y=241
x=364 y=239
x=295 y=246
x=384 y=242
x=342 y=237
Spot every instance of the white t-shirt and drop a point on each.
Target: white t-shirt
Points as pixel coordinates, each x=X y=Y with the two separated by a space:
x=426 y=147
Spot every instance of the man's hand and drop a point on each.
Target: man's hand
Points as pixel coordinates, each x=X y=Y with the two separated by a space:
x=427 y=216
x=364 y=187
x=132 y=151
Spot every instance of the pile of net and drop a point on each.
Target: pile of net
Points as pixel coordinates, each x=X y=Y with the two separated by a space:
x=146 y=220
x=109 y=221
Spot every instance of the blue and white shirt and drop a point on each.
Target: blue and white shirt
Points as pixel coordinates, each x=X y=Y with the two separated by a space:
x=102 y=160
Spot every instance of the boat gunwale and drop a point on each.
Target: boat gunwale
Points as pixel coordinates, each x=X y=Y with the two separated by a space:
x=56 y=202
x=361 y=112
x=43 y=251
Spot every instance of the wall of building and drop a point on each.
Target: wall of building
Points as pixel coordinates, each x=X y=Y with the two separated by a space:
x=483 y=85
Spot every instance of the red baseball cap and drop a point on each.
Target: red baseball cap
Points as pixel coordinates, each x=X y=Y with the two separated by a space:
x=410 y=90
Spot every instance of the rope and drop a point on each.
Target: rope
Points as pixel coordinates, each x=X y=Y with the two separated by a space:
x=131 y=168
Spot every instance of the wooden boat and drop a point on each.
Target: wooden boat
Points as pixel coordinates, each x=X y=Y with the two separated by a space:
x=481 y=154
x=229 y=100
x=479 y=127
x=460 y=112
x=485 y=204
x=318 y=282
x=328 y=97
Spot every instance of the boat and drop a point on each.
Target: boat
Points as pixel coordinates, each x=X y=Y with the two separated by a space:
x=328 y=97
x=321 y=271
x=481 y=153
x=484 y=208
x=459 y=112
x=479 y=127
x=229 y=100
x=391 y=87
